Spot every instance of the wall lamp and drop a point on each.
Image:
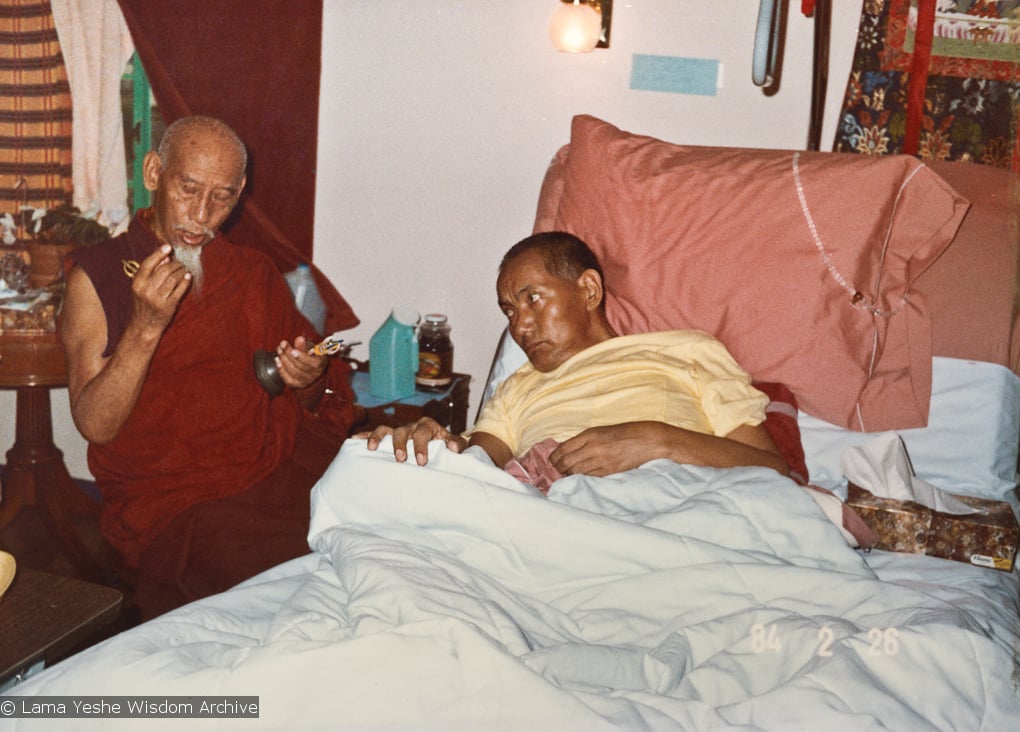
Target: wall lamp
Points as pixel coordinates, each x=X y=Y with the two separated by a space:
x=578 y=26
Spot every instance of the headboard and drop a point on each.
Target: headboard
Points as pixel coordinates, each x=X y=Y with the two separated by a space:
x=933 y=248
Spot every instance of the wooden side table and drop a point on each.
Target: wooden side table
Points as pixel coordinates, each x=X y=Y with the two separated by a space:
x=46 y=616
x=36 y=480
x=448 y=407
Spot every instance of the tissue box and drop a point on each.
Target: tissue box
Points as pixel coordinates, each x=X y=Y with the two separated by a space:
x=987 y=539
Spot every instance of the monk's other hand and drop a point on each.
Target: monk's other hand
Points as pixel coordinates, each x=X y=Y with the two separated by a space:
x=297 y=367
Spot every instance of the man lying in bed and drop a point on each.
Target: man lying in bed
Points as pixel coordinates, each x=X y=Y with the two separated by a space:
x=611 y=402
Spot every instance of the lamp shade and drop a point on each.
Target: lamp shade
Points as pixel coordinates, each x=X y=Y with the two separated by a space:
x=575 y=27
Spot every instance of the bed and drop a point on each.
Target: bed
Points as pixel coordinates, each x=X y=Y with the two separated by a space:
x=881 y=292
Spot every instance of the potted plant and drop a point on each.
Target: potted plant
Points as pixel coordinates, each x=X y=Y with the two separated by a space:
x=55 y=232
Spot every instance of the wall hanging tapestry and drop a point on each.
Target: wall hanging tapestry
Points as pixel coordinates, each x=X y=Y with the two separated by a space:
x=939 y=79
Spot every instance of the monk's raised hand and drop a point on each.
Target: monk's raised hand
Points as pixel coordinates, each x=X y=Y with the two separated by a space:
x=158 y=286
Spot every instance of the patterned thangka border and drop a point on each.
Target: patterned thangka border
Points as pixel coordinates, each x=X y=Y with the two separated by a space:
x=972 y=38
x=965 y=114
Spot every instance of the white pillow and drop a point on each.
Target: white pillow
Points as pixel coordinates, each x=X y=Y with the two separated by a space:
x=509 y=357
x=969 y=446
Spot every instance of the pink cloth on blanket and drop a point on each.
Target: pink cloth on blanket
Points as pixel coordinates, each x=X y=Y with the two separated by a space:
x=854 y=528
x=534 y=467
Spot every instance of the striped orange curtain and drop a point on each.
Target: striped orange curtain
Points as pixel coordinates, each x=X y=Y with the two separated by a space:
x=35 y=110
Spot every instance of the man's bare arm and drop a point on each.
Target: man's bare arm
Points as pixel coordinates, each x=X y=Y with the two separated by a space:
x=497 y=450
x=606 y=450
x=104 y=390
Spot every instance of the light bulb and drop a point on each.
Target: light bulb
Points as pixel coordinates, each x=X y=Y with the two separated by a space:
x=575 y=27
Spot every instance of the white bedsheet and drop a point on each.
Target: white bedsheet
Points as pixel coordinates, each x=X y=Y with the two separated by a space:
x=669 y=597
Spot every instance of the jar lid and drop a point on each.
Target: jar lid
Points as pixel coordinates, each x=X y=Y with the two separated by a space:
x=435 y=318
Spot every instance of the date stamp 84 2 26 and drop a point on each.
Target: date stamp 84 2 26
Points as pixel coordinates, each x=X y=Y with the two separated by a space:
x=766 y=638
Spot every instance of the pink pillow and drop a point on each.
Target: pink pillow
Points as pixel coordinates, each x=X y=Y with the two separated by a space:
x=721 y=239
x=978 y=278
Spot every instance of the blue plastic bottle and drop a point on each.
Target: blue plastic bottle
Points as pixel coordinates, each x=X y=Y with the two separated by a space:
x=393 y=356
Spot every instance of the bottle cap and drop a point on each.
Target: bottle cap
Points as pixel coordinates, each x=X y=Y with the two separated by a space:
x=405 y=315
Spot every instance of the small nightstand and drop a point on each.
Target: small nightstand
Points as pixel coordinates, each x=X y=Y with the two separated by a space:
x=47 y=616
x=448 y=407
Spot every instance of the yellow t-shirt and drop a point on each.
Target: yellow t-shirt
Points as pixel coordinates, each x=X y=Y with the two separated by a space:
x=684 y=378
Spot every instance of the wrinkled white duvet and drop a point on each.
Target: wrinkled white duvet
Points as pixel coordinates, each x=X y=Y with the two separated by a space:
x=668 y=597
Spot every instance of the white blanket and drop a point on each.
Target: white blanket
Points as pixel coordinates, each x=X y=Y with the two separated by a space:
x=668 y=597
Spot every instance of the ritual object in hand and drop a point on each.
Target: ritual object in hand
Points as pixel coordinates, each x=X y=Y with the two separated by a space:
x=264 y=363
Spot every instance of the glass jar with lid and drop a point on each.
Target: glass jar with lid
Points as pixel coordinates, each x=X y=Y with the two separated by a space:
x=435 y=352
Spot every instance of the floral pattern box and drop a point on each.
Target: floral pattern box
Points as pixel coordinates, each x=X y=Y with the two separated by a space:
x=988 y=538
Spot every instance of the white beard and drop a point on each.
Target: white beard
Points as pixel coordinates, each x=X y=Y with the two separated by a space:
x=191 y=259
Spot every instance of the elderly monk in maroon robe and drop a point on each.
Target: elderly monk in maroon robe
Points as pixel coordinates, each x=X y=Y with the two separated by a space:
x=204 y=477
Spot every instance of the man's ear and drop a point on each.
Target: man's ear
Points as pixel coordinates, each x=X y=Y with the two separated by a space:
x=152 y=167
x=591 y=282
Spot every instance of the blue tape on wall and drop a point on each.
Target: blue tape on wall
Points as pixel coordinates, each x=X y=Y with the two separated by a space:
x=675 y=74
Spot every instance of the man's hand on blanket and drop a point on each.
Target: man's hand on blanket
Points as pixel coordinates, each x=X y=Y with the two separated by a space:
x=420 y=433
x=602 y=451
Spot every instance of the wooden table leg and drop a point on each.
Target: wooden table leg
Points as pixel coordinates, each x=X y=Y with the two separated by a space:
x=33 y=445
x=37 y=478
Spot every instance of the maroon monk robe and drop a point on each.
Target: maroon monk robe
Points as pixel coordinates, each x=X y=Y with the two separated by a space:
x=203 y=429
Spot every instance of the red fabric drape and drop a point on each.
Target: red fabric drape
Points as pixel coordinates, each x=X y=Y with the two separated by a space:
x=255 y=64
x=920 y=64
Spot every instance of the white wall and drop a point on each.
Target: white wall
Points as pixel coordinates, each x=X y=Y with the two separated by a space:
x=437 y=120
